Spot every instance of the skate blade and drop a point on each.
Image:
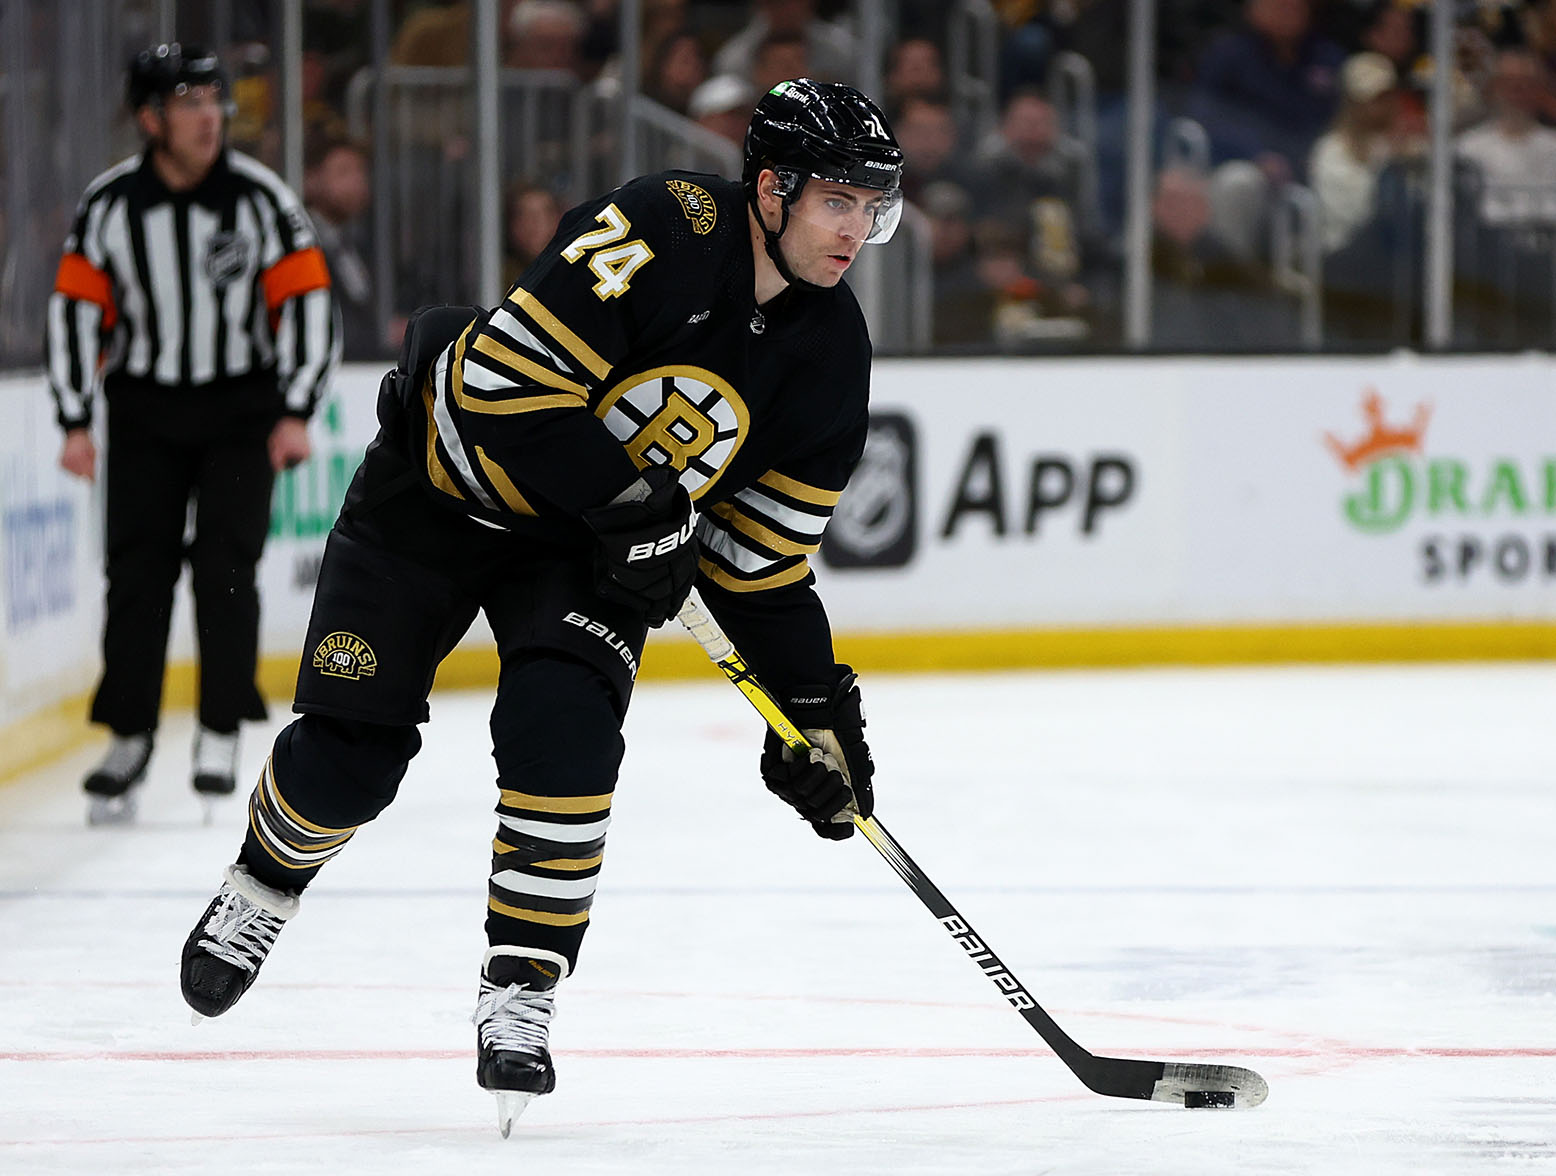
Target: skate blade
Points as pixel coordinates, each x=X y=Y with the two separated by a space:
x=510 y=1105
x=111 y=810
x=195 y=1018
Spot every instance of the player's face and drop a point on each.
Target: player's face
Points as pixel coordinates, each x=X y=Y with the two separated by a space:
x=192 y=122
x=827 y=225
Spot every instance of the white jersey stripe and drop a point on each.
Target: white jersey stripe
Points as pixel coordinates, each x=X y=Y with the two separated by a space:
x=132 y=295
x=525 y=337
x=565 y=834
x=70 y=400
x=450 y=435
x=201 y=339
x=166 y=283
x=711 y=534
x=238 y=297
x=88 y=329
x=800 y=522
x=545 y=887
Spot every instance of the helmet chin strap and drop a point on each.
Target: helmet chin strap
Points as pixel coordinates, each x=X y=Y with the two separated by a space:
x=770 y=240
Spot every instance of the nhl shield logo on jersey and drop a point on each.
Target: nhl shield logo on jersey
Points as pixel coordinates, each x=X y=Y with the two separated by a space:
x=226 y=257
x=345 y=655
x=696 y=204
x=684 y=417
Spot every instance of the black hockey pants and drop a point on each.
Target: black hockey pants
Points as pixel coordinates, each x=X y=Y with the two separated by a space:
x=151 y=479
x=401 y=581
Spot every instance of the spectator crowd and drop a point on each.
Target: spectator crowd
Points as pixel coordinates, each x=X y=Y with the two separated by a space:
x=1019 y=178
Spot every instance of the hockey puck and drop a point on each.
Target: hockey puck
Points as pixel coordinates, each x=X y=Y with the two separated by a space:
x=1194 y=1099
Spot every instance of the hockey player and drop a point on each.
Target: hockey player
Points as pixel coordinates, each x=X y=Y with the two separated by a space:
x=683 y=339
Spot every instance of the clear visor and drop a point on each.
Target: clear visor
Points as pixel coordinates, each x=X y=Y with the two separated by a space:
x=866 y=215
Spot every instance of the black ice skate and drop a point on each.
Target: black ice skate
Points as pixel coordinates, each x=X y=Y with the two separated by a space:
x=223 y=953
x=511 y=1019
x=215 y=767
x=110 y=787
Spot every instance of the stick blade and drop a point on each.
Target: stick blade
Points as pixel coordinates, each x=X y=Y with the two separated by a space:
x=1247 y=1088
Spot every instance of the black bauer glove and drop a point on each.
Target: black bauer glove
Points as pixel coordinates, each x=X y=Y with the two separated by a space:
x=833 y=783
x=647 y=552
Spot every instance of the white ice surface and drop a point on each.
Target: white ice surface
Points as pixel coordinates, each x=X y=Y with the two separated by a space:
x=1344 y=878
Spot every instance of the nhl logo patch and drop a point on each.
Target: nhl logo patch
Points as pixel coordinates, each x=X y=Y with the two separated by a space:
x=345 y=655
x=226 y=257
x=696 y=204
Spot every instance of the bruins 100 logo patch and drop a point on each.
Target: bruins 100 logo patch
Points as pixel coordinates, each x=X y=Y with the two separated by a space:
x=696 y=204
x=345 y=655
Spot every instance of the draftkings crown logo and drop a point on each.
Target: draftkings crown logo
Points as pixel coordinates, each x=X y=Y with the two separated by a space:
x=1381 y=438
x=1400 y=481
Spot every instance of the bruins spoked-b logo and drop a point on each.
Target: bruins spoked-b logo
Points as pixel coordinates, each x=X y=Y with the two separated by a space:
x=685 y=417
x=345 y=655
x=696 y=204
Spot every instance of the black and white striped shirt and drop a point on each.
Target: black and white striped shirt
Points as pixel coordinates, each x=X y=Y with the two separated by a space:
x=187 y=290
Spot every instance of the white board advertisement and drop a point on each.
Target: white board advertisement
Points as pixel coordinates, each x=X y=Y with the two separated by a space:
x=1024 y=494
x=998 y=494
x=50 y=552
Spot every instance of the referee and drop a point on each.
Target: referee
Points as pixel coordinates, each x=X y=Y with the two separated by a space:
x=191 y=291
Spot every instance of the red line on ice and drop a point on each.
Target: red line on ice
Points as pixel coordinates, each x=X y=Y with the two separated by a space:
x=758 y=1052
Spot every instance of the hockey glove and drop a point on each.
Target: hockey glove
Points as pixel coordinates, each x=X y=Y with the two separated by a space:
x=646 y=557
x=833 y=782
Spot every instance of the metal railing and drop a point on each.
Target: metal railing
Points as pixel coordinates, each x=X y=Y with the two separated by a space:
x=1072 y=90
x=972 y=64
x=905 y=321
x=424 y=161
x=1297 y=258
x=1453 y=273
x=669 y=140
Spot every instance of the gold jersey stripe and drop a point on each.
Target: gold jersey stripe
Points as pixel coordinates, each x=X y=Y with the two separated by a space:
x=521 y=404
x=799 y=489
x=516 y=501
x=554 y=326
x=265 y=840
x=270 y=780
x=266 y=824
x=436 y=473
x=528 y=367
x=546 y=917
x=761 y=534
x=556 y=804
x=777 y=580
x=587 y=863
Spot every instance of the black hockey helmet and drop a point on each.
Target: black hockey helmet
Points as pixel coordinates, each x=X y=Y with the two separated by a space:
x=808 y=130
x=172 y=68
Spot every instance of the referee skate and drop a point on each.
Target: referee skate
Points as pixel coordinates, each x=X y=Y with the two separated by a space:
x=110 y=786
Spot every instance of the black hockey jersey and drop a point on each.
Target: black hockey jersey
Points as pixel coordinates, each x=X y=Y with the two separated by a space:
x=633 y=340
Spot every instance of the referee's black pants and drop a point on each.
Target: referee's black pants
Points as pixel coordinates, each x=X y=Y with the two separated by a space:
x=152 y=480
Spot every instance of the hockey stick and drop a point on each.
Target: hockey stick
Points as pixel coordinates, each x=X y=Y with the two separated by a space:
x=1185 y=1083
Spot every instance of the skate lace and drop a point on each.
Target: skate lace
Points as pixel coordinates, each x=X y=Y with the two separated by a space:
x=513 y=1018
x=240 y=932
